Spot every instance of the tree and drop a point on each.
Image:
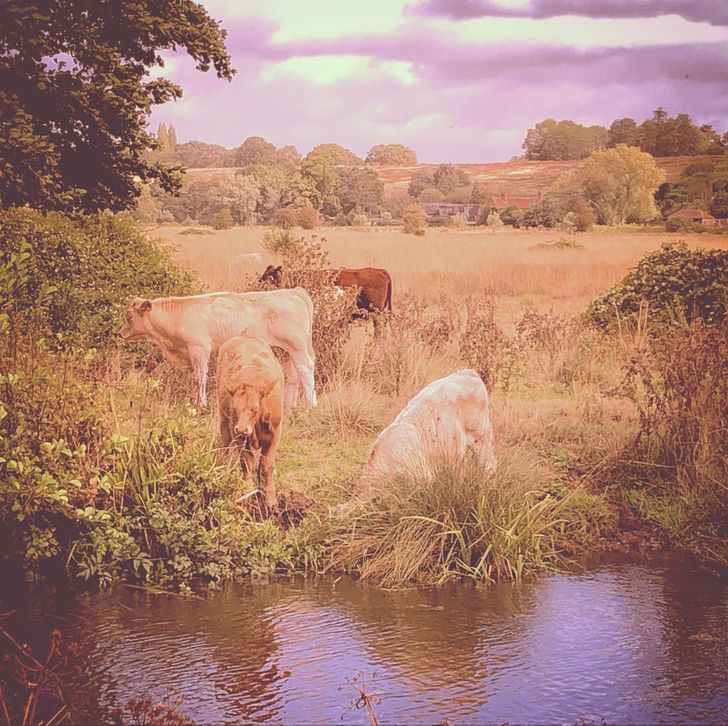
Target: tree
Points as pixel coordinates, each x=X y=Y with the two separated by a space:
x=332 y=154
x=620 y=183
x=75 y=96
x=392 y=155
x=719 y=205
x=420 y=180
x=623 y=131
x=256 y=150
x=359 y=189
x=558 y=140
x=431 y=194
x=448 y=177
x=662 y=135
x=199 y=155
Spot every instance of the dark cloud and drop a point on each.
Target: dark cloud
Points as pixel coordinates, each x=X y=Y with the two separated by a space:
x=714 y=12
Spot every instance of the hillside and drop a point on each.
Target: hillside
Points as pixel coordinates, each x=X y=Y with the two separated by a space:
x=519 y=177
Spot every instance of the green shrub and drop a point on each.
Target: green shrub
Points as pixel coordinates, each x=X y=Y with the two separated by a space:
x=222 y=219
x=94 y=264
x=679 y=382
x=680 y=224
x=674 y=283
x=156 y=506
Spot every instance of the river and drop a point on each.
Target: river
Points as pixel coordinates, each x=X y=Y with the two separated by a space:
x=626 y=641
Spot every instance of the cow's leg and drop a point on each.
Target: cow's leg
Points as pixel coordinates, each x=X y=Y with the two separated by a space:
x=292 y=384
x=247 y=459
x=305 y=366
x=226 y=437
x=266 y=469
x=200 y=359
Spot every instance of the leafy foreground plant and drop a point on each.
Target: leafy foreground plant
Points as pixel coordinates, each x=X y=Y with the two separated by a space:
x=675 y=283
x=456 y=524
x=679 y=382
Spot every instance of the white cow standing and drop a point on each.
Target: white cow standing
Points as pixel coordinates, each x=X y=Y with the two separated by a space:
x=446 y=420
x=189 y=330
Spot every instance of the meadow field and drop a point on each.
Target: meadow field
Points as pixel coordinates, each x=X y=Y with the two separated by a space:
x=506 y=303
x=519 y=268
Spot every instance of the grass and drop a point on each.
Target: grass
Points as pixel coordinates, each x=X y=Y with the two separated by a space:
x=502 y=262
x=558 y=423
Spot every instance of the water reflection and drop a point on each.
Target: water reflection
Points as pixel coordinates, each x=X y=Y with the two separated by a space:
x=617 y=642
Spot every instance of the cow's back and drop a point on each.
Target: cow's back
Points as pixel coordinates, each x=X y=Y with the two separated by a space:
x=438 y=423
x=248 y=360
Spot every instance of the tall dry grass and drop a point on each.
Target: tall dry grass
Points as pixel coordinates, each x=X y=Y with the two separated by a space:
x=505 y=306
x=507 y=263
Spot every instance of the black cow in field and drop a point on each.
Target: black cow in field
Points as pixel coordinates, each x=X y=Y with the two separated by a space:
x=374 y=283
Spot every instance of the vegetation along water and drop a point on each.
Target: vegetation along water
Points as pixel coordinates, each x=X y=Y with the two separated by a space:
x=585 y=282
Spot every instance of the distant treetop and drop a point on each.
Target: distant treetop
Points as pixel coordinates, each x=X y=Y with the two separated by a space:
x=391 y=155
x=333 y=154
x=660 y=135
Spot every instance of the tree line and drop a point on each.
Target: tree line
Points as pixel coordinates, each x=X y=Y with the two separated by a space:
x=660 y=135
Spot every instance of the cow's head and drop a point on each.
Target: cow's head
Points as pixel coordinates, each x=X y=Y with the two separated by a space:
x=248 y=403
x=136 y=319
x=273 y=275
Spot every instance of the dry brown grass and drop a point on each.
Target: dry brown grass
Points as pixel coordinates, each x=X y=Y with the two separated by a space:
x=555 y=413
x=505 y=263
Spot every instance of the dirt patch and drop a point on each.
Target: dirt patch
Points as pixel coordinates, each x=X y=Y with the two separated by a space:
x=293 y=506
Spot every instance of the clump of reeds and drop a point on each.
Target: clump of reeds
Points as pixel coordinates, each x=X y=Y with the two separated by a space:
x=451 y=522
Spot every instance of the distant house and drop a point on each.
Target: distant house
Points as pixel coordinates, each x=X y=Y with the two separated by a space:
x=471 y=212
x=697 y=216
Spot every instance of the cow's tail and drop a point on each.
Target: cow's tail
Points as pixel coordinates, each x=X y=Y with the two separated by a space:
x=388 y=299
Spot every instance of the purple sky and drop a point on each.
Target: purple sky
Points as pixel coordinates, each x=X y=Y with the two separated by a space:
x=456 y=80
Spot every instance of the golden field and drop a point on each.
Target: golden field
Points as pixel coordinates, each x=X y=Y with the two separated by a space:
x=507 y=263
x=506 y=303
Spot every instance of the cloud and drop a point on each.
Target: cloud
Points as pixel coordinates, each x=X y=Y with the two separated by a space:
x=450 y=95
x=714 y=12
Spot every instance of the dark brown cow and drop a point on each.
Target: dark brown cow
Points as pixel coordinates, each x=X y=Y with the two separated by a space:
x=374 y=283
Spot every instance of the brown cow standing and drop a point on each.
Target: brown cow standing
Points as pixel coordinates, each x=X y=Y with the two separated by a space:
x=250 y=396
x=374 y=283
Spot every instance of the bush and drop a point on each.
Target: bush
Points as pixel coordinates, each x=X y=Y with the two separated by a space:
x=680 y=224
x=94 y=264
x=511 y=216
x=305 y=263
x=584 y=216
x=679 y=383
x=222 y=219
x=674 y=283
x=305 y=217
x=414 y=220
x=156 y=506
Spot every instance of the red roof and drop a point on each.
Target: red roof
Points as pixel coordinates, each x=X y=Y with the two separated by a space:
x=691 y=214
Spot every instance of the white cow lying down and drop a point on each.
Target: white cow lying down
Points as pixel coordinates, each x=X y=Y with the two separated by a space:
x=447 y=419
x=189 y=330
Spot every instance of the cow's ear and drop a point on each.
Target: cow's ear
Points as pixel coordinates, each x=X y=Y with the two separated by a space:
x=279 y=269
x=142 y=306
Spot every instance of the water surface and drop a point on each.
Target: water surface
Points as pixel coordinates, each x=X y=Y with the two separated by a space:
x=622 y=642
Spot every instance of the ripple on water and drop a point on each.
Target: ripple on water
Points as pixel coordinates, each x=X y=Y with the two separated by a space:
x=615 y=643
